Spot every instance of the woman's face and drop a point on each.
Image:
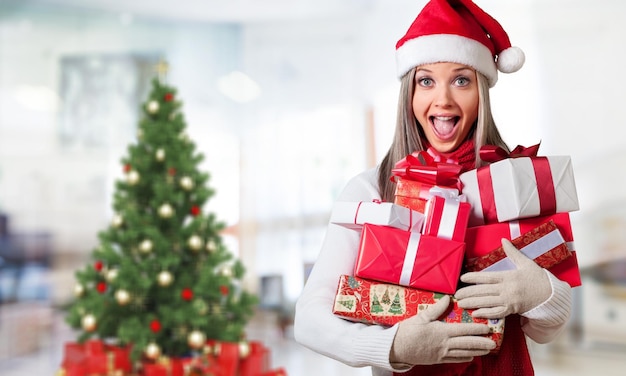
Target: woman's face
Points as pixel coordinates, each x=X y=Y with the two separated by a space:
x=445 y=103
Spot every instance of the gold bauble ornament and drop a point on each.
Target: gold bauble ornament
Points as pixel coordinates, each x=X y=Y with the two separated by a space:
x=244 y=349
x=122 y=297
x=216 y=309
x=111 y=274
x=79 y=290
x=89 y=323
x=166 y=211
x=132 y=177
x=117 y=221
x=211 y=246
x=145 y=246
x=201 y=306
x=60 y=372
x=152 y=351
x=186 y=182
x=140 y=133
x=196 y=339
x=165 y=278
x=226 y=271
x=160 y=155
x=195 y=242
x=153 y=107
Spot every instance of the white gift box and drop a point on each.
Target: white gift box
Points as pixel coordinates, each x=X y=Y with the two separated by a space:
x=516 y=188
x=353 y=214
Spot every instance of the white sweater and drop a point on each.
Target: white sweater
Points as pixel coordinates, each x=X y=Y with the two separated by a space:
x=361 y=345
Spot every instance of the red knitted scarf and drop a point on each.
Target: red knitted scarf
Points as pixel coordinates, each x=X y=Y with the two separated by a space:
x=465 y=155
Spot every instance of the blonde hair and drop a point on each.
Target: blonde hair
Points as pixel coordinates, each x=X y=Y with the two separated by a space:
x=409 y=136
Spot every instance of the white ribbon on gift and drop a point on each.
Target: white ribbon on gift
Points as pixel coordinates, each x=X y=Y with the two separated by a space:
x=409 y=258
x=532 y=250
x=514 y=229
x=449 y=215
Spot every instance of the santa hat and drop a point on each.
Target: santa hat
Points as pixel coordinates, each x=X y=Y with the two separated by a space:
x=458 y=31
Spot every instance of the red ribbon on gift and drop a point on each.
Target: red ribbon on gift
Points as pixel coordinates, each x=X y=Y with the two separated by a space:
x=543 y=177
x=421 y=166
x=492 y=153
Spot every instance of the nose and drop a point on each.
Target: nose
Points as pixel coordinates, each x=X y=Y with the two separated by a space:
x=443 y=96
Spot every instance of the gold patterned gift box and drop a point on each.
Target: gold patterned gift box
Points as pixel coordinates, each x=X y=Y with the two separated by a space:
x=366 y=301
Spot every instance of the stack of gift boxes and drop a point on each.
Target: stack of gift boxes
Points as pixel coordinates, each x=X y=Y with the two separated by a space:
x=95 y=357
x=443 y=223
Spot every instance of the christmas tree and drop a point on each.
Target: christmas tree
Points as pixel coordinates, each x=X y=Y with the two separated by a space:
x=376 y=307
x=161 y=279
x=396 y=307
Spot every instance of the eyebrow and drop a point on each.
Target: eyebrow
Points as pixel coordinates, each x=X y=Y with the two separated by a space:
x=455 y=70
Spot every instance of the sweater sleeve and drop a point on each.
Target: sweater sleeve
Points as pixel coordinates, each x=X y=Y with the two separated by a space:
x=315 y=326
x=546 y=321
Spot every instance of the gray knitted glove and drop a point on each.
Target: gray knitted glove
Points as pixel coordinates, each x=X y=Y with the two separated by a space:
x=422 y=339
x=499 y=294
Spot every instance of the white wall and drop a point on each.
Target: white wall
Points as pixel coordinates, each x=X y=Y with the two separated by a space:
x=46 y=187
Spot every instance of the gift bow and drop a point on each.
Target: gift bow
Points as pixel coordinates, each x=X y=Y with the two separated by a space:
x=421 y=166
x=492 y=153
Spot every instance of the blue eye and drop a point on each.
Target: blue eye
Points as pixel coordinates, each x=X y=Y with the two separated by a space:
x=462 y=81
x=425 y=81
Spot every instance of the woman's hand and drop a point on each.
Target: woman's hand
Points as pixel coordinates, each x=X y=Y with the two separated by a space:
x=422 y=339
x=499 y=294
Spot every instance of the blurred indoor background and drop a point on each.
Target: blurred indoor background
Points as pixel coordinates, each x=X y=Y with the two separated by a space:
x=287 y=99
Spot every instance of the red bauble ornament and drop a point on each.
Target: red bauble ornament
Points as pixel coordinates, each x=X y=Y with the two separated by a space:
x=171 y=171
x=101 y=287
x=168 y=97
x=186 y=294
x=224 y=290
x=98 y=266
x=195 y=210
x=127 y=167
x=155 y=325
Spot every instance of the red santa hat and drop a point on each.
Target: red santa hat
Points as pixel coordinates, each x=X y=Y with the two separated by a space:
x=458 y=31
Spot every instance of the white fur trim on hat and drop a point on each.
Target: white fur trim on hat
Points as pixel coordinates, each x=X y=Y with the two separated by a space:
x=437 y=48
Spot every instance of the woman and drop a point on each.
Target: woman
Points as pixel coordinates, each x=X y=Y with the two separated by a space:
x=447 y=62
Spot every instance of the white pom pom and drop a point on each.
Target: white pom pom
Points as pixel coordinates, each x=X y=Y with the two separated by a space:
x=511 y=60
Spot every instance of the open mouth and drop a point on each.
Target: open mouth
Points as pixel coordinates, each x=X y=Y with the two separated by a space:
x=444 y=126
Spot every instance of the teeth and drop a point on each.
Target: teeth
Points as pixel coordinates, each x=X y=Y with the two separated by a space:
x=444 y=118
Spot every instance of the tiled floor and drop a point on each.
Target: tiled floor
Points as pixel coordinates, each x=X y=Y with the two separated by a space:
x=550 y=360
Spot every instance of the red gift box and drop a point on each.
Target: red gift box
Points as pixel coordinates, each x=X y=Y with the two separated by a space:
x=520 y=187
x=95 y=357
x=257 y=362
x=205 y=366
x=483 y=244
x=446 y=215
x=371 y=302
x=225 y=355
x=387 y=254
x=166 y=366
x=412 y=194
